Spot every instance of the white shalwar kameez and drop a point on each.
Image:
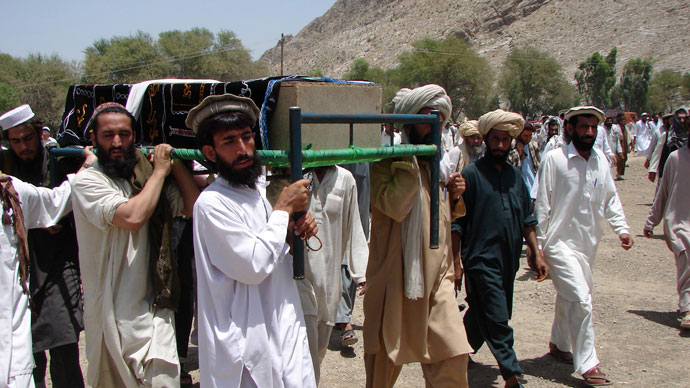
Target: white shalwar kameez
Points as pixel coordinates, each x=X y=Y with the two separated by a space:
x=574 y=197
x=42 y=208
x=129 y=342
x=334 y=206
x=251 y=327
x=643 y=136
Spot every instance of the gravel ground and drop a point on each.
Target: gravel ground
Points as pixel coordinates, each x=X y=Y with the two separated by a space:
x=635 y=318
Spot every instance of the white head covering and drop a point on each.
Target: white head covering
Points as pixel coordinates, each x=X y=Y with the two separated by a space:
x=411 y=101
x=469 y=128
x=16 y=116
x=501 y=120
x=221 y=103
x=586 y=110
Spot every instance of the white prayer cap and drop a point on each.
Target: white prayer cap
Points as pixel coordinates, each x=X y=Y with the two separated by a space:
x=644 y=114
x=16 y=116
x=221 y=103
x=501 y=120
x=586 y=110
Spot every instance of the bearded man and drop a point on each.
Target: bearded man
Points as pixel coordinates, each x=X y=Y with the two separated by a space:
x=121 y=208
x=410 y=312
x=251 y=326
x=554 y=135
x=491 y=250
x=576 y=194
x=622 y=146
x=56 y=318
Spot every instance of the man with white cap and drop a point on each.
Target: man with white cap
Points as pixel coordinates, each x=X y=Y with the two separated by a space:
x=643 y=134
x=47 y=140
x=24 y=207
x=491 y=250
x=576 y=194
x=122 y=209
x=410 y=312
x=251 y=326
x=55 y=286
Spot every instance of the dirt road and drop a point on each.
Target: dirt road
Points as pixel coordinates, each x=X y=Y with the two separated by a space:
x=635 y=317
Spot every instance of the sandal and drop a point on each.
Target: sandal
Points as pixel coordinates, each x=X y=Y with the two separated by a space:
x=348 y=338
x=564 y=357
x=186 y=379
x=595 y=378
x=685 y=321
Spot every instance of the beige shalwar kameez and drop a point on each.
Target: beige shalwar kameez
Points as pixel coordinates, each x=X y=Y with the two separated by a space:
x=398 y=330
x=671 y=205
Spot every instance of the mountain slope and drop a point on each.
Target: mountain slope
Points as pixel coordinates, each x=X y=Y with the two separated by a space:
x=379 y=30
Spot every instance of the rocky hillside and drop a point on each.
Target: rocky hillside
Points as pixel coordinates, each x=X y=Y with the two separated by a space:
x=379 y=30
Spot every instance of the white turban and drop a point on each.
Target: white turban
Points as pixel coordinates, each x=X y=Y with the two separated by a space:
x=411 y=101
x=501 y=120
x=469 y=128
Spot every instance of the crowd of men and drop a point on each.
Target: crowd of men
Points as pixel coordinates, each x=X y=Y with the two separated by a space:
x=108 y=251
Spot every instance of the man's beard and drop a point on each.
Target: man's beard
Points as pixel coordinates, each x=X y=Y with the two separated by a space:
x=497 y=156
x=416 y=139
x=31 y=170
x=246 y=176
x=117 y=167
x=608 y=125
x=582 y=143
x=474 y=150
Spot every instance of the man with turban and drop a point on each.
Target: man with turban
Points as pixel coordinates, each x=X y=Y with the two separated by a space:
x=490 y=249
x=576 y=194
x=410 y=312
x=472 y=147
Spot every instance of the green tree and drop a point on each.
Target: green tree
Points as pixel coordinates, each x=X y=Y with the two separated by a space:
x=124 y=59
x=532 y=82
x=187 y=51
x=315 y=73
x=231 y=61
x=196 y=53
x=596 y=77
x=361 y=70
x=38 y=80
x=686 y=86
x=666 y=90
x=9 y=98
x=452 y=64
x=633 y=88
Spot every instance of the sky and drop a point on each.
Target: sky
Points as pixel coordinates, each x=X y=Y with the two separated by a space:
x=68 y=27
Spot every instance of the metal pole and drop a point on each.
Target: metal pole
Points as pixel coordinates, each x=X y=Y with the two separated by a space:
x=352 y=134
x=282 y=41
x=295 y=155
x=434 y=181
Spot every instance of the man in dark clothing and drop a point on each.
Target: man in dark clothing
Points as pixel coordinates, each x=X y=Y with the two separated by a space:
x=56 y=318
x=676 y=137
x=491 y=250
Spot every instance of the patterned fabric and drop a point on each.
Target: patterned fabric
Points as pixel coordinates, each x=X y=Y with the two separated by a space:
x=10 y=200
x=79 y=107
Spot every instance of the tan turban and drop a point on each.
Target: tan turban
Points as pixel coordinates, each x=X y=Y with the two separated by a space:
x=469 y=128
x=501 y=120
x=411 y=101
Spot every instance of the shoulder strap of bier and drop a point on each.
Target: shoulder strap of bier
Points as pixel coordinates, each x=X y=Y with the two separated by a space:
x=10 y=200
